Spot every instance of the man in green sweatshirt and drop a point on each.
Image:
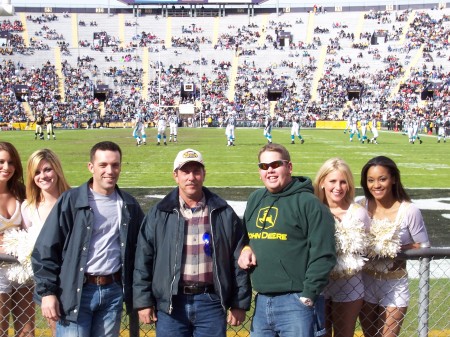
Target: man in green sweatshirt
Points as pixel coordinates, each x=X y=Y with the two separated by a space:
x=291 y=249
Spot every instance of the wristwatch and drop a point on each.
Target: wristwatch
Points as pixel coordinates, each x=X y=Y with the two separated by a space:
x=307 y=301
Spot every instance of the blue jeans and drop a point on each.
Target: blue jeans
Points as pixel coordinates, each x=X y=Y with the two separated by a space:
x=99 y=315
x=193 y=315
x=285 y=315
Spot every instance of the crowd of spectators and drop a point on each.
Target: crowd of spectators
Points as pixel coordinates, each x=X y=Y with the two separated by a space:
x=8 y=26
x=377 y=94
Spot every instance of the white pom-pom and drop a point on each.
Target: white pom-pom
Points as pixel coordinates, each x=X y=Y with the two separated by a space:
x=384 y=239
x=351 y=242
x=20 y=243
x=11 y=241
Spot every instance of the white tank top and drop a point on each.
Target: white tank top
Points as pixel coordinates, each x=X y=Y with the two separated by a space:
x=14 y=222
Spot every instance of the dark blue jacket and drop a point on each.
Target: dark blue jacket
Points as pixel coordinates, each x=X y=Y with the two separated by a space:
x=160 y=246
x=60 y=254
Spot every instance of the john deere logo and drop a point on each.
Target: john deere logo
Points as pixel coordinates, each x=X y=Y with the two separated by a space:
x=267 y=217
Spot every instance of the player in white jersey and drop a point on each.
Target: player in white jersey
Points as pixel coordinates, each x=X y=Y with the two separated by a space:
x=415 y=130
x=49 y=123
x=405 y=125
x=268 y=128
x=354 y=128
x=373 y=128
x=364 y=130
x=139 y=130
x=443 y=127
x=295 y=130
x=347 y=125
x=173 y=126
x=409 y=129
x=162 y=124
x=230 y=122
x=412 y=128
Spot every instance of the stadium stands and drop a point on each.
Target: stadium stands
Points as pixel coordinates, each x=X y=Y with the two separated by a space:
x=233 y=61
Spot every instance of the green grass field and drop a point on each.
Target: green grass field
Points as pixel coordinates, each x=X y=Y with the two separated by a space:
x=229 y=169
x=422 y=165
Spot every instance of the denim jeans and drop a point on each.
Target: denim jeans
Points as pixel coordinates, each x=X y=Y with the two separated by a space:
x=193 y=315
x=99 y=314
x=285 y=315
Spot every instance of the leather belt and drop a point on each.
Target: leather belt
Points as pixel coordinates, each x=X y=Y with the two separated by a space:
x=195 y=289
x=102 y=280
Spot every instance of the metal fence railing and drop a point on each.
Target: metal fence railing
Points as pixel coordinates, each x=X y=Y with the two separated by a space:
x=428 y=313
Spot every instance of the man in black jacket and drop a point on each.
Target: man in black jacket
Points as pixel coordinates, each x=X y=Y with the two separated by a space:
x=186 y=273
x=83 y=257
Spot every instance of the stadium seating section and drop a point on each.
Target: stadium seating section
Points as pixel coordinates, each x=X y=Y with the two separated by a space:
x=103 y=68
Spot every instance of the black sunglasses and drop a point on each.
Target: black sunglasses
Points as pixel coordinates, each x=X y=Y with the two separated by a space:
x=275 y=164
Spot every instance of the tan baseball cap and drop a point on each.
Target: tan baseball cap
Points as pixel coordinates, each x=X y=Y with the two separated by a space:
x=186 y=156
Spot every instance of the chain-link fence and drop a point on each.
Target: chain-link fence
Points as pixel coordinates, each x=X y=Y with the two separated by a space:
x=428 y=312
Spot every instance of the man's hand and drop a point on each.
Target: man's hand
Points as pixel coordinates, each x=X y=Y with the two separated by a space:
x=307 y=301
x=247 y=259
x=236 y=316
x=147 y=315
x=50 y=308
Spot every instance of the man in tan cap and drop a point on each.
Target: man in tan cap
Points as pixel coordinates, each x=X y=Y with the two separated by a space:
x=186 y=272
